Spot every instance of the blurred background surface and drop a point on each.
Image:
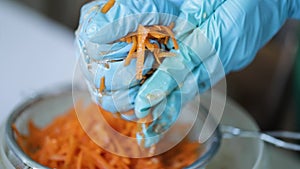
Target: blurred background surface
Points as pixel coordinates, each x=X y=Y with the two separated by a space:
x=267 y=88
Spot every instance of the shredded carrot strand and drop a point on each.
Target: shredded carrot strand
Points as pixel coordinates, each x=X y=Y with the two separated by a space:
x=132 y=50
x=128 y=40
x=149 y=45
x=169 y=31
x=108 y=6
x=102 y=84
x=79 y=161
x=141 y=37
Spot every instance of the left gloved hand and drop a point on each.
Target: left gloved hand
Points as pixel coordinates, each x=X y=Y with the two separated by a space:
x=102 y=60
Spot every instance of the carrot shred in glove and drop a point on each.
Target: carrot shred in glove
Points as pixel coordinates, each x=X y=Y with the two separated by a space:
x=107 y=6
x=63 y=144
x=141 y=42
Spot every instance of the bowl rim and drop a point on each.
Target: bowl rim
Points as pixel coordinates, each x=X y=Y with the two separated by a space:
x=19 y=156
x=214 y=147
x=22 y=158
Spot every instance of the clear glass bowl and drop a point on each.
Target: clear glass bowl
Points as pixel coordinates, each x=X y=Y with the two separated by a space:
x=43 y=108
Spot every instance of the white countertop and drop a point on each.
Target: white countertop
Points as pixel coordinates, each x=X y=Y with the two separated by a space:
x=36 y=53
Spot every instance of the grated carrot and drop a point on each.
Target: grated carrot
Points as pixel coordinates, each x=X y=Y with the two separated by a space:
x=108 y=6
x=141 y=38
x=102 y=84
x=63 y=144
x=130 y=54
x=141 y=42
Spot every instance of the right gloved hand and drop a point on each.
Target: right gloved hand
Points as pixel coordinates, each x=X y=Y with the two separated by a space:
x=216 y=37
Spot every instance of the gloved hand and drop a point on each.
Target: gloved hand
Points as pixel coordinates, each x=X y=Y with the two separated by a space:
x=213 y=35
x=102 y=60
x=216 y=37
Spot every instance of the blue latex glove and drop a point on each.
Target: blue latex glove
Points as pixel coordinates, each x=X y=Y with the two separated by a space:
x=178 y=3
x=218 y=36
x=211 y=33
x=102 y=58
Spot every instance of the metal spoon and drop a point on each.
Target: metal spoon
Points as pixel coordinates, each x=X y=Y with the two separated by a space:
x=271 y=137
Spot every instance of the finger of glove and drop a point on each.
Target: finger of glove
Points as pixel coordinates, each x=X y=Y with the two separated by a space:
x=120 y=77
x=119 y=82
x=169 y=75
x=167 y=111
x=90 y=66
x=165 y=114
x=238 y=29
x=172 y=72
x=117 y=101
x=102 y=52
x=199 y=55
x=98 y=27
x=209 y=71
x=198 y=81
x=181 y=95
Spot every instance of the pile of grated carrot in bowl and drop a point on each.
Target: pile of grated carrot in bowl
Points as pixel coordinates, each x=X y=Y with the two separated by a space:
x=63 y=144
